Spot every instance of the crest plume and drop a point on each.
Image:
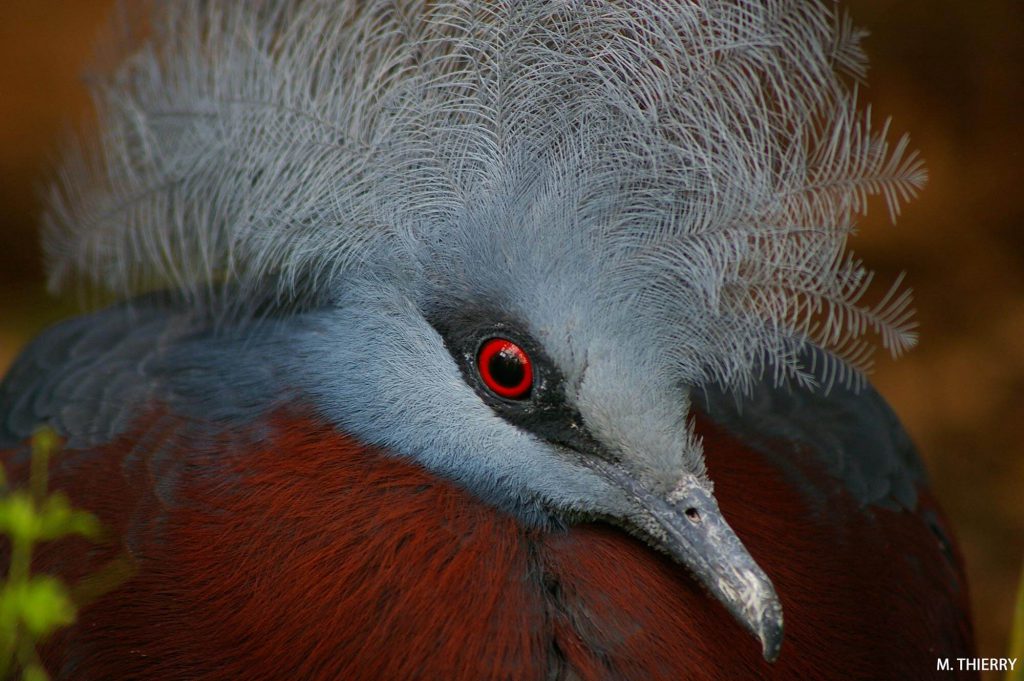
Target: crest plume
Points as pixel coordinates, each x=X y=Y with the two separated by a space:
x=711 y=158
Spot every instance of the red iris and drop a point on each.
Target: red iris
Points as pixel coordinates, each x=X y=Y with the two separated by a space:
x=505 y=368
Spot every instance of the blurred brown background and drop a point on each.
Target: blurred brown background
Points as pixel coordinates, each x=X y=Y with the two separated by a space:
x=949 y=72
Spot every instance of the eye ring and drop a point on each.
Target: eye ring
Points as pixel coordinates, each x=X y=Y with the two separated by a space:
x=505 y=368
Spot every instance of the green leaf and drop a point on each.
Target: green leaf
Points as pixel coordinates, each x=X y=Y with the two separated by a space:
x=35 y=673
x=1017 y=635
x=42 y=604
x=18 y=517
x=34 y=606
x=10 y=610
x=57 y=519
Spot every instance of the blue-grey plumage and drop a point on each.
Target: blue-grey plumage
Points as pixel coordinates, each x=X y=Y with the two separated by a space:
x=89 y=376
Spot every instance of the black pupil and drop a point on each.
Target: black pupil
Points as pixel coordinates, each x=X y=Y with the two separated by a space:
x=507 y=368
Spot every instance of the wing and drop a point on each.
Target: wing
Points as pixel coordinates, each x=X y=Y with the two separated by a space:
x=159 y=413
x=160 y=384
x=90 y=378
x=852 y=433
x=82 y=377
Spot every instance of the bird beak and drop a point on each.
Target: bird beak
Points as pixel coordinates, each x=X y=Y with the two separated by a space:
x=688 y=525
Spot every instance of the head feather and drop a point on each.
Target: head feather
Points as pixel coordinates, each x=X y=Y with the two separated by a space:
x=708 y=160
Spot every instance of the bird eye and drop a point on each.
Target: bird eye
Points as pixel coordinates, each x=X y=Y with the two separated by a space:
x=505 y=368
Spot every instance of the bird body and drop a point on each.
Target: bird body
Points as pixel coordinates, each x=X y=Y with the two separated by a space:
x=484 y=341
x=255 y=540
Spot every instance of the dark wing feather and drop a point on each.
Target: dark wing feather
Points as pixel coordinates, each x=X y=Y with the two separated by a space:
x=90 y=377
x=84 y=377
x=852 y=432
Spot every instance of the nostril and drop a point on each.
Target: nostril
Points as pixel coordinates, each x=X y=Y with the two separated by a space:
x=693 y=514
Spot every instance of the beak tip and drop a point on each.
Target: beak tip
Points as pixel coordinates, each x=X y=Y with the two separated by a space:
x=715 y=556
x=770 y=634
x=771 y=647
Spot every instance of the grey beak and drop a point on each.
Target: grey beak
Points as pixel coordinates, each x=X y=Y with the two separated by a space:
x=689 y=527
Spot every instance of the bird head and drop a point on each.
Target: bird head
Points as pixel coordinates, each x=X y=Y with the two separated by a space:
x=509 y=241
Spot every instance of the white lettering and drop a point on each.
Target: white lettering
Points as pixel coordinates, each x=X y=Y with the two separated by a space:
x=981 y=664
